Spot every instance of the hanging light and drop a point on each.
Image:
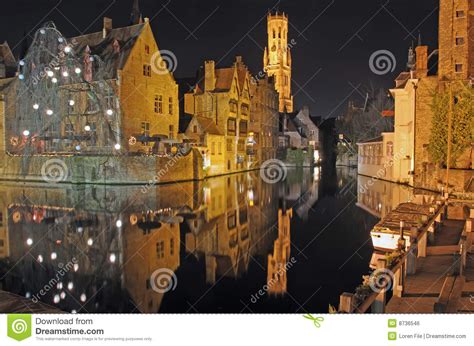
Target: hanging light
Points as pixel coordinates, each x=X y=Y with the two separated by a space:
x=83 y=297
x=26 y=133
x=71 y=102
x=119 y=223
x=40 y=258
x=90 y=241
x=54 y=80
x=60 y=39
x=50 y=73
x=78 y=147
x=67 y=49
x=49 y=112
x=117 y=146
x=112 y=258
x=87 y=127
x=56 y=299
x=22 y=63
x=36 y=106
x=42 y=31
x=54 y=255
x=21 y=76
x=110 y=112
x=77 y=70
x=70 y=285
x=29 y=241
x=63 y=295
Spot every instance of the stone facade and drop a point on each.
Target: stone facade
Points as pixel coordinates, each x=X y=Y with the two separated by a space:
x=264 y=115
x=277 y=58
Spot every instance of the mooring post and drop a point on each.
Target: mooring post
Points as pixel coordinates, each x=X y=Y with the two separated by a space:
x=346 y=302
x=378 y=306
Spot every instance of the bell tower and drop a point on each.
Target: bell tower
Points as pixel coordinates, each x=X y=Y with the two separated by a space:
x=456 y=39
x=277 y=59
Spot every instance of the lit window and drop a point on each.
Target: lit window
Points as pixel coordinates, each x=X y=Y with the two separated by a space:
x=170 y=106
x=171 y=130
x=460 y=14
x=459 y=41
x=160 y=249
x=458 y=67
x=158 y=104
x=147 y=70
x=147 y=49
x=146 y=128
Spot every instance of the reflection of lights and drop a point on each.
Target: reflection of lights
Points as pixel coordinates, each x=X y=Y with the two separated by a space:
x=119 y=223
x=76 y=267
x=316 y=156
x=117 y=146
x=70 y=285
x=207 y=195
x=110 y=112
x=54 y=80
x=87 y=128
x=36 y=106
x=56 y=299
x=90 y=241
x=73 y=311
x=54 y=255
x=67 y=49
x=50 y=73
x=80 y=229
x=28 y=295
x=26 y=133
x=83 y=297
x=29 y=241
x=251 y=197
x=77 y=70
x=71 y=102
x=40 y=259
x=63 y=295
x=112 y=258
x=59 y=286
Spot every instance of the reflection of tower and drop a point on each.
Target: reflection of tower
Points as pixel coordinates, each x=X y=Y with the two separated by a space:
x=278 y=263
x=456 y=39
x=277 y=58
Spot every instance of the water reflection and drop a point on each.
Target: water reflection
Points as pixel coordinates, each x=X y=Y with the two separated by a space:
x=222 y=240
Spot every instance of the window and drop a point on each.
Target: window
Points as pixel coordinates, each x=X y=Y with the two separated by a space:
x=171 y=131
x=244 y=109
x=231 y=124
x=243 y=127
x=213 y=148
x=69 y=130
x=158 y=104
x=146 y=128
x=219 y=148
x=160 y=249
x=230 y=144
x=170 y=106
x=195 y=129
x=460 y=14
x=147 y=70
x=147 y=49
x=459 y=41
x=231 y=221
x=1 y=219
x=458 y=67
x=233 y=106
x=274 y=33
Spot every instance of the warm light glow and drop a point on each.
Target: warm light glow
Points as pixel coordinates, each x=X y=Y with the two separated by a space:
x=65 y=74
x=112 y=258
x=26 y=133
x=118 y=223
x=117 y=146
x=54 y=80
x=50 y=73
x=77 y=70
x=49 y=112
x=110 y=112
x=87 y=128
x=67 y=49
x=83 y=297
x=71 y=102
x=36 y=106
x=90 y=241
x=54 y=255
x=29 y=241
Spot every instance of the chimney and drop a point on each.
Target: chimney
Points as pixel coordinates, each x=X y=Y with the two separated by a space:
x=107 y=26
x=209 y=75
x=422 y=61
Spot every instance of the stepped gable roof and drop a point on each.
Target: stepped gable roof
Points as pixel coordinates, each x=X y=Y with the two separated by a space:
x=126 y=38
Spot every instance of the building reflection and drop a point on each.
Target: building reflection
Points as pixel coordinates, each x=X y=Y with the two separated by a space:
x=117 y=237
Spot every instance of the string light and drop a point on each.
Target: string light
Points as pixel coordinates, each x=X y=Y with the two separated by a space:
x=54 y=80
x=78 y=147
x=65 y=74
x=21 y=76
x=87 y=127
x=77 y=70
x=117 y=146
x=50 y=73
x=67 y=49
x=71 y=102
x=54 y=255
x=26 y=133
x=29 y=241
x=49 y=112
x=36 y=106
x=22 y=63
x=110 y=112
x=119 y=223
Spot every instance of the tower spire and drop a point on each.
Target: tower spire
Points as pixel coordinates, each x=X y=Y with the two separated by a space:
x=136 y=16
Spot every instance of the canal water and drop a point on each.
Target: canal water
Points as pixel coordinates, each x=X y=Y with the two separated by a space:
x=229 y=244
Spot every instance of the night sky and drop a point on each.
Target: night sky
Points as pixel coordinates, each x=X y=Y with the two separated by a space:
x=334 y=38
